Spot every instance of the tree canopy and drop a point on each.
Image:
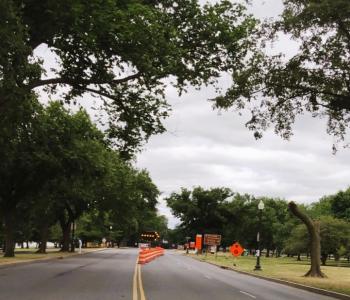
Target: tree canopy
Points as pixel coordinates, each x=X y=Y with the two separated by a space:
x=276 y=89
x=121 y=52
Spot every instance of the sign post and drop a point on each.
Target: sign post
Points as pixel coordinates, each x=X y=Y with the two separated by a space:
x=212 y=240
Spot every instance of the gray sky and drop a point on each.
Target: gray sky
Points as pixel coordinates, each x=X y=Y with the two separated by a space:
x=207 y=148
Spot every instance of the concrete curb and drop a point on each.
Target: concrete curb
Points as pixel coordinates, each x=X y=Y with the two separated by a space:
x=285 y=282
x=39 y=260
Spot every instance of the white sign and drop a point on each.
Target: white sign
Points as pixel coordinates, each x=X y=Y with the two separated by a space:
x=104 y=240
x=257 y=253
x=80 y=244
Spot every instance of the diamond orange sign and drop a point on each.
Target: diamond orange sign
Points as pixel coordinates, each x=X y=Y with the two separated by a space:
x=236 y=249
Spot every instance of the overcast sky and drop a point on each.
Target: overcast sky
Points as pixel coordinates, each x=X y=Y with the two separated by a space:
x=211 y=149
x=207 y=148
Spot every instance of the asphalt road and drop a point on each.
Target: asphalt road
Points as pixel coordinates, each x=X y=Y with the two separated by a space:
x=175 y=277
x=112 y=274
x=101 y=275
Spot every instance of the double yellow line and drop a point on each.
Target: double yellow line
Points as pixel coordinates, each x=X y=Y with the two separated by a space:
x=137 y=286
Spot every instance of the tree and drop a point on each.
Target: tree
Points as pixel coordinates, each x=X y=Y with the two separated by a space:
x=200 y=210
x=316 y=79
x=313 y=228
x=71 y=148
x=340 y=205
x=334 y=238
x=335 y=234
x=321 y=208
x=21 y=172
x=298 y=241
x=120 y=51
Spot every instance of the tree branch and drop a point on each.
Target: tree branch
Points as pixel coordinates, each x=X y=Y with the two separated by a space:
x=103 y=94
x=61 y=80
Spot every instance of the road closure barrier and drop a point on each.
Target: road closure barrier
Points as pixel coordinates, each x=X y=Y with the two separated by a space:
x=147 y=255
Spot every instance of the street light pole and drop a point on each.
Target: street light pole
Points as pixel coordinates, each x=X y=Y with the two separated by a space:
x=110 y=236
x=258 y=252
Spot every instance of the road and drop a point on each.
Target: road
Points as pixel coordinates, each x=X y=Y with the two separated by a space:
x=176 y=277
x=101 y=275
x=113 y=274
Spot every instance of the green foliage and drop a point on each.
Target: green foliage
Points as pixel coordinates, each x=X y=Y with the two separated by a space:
x=298 y=241
x=199 y=210
x=340 y=205
x=321 y=208
x=234 y=216
x=120 y=51
x=73 y=175
x=335 y=238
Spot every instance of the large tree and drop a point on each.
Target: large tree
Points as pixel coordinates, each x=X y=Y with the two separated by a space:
x=200 y=210
x=313 y=229
x=276 y=88
x=121 y=51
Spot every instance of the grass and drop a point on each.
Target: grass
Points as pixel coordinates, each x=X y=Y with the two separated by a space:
x=338 y=278
x=26 y=255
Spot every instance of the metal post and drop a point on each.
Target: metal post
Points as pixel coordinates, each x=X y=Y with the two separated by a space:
x=188 y=245
x=73 y=233
x=258 y=267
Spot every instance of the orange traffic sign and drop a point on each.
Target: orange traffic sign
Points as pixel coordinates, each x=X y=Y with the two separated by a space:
x=236 y=249
x=198 y=241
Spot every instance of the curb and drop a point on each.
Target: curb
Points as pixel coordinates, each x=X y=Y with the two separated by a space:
x=285 y=282
x=38 y=260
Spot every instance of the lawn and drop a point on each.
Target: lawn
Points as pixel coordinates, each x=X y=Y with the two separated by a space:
x=338 y=278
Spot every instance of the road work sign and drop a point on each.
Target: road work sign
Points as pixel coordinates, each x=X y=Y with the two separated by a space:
x=198 y=241
x=236 y=249
x=212 y=239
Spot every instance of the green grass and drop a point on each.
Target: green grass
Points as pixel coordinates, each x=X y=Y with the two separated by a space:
x=338 y=277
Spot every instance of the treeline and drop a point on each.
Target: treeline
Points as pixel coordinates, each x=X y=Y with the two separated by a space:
x=58 y=173
x=235 y=217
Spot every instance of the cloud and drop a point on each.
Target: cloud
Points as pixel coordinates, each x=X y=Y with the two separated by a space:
x=210 y=148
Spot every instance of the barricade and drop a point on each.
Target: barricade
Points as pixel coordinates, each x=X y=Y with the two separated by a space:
x=147 y=255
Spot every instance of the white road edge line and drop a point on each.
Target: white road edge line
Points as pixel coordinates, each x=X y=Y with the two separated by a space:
x=250 y=295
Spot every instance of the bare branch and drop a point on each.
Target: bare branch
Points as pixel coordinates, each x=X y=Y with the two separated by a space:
x=61 y=80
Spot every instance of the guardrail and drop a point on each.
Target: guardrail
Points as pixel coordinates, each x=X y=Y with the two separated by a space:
x=148 y=254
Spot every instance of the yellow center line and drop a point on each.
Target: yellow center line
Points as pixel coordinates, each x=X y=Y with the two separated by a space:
x=134 y=283
x=142 y=292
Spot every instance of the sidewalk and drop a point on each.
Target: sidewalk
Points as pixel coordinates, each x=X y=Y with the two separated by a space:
x=30 y=255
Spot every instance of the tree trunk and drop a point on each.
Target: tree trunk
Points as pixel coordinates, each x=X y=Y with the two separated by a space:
x=324 y=257
x=27 y=242
x=9 y=235
x=299 y=258
x=313 y=228
x=65 y=226
x=72 y=246
x=44 y=234
x=267 y=252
